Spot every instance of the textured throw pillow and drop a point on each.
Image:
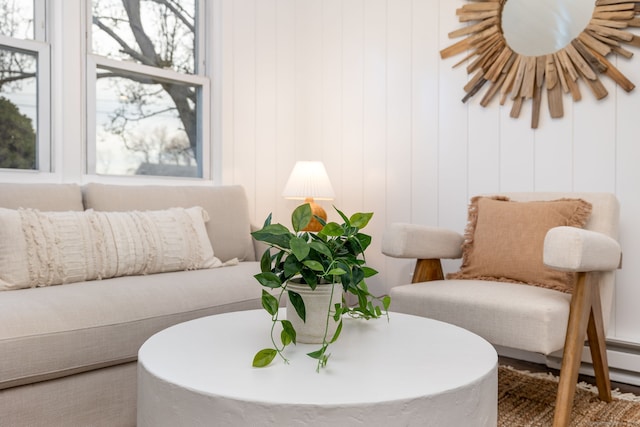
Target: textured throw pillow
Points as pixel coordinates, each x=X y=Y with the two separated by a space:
x=52 y=248
x=504 y=240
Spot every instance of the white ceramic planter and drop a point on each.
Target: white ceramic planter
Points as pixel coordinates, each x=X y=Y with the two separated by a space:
x=319 y=303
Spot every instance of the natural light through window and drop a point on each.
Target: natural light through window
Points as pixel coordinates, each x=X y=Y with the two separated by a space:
x=147 y=88
x=24 y=86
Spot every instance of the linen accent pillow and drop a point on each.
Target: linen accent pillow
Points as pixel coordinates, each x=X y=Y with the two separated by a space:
x=504 y=240
x=51 y=248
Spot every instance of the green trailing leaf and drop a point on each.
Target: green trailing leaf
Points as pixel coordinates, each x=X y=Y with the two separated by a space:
x=320 y=220
x=336 y=272
x=332 y=229
x=360 y=220
x=318 y=353
x=321 y=248
x=265 y=261
x=386 y=302
x=268 y=279
x=364 y=240
x=267 y=221
x=309 y=277
x=289 y=329
x=269 y=302
x=347 y=223
x=298 y=304
x=357 y=276
x=299 y=247
x=285 y=338
x=301 y=217
x=264 y=357
x=314 y=265
x=368 y=271
x=337 y=333
x=270 y=230
x=292 y=266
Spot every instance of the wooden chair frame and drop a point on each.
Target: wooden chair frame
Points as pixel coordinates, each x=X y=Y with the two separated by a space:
x=585 y=319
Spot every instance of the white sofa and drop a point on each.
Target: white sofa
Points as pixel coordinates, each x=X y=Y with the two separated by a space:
x=68 y=352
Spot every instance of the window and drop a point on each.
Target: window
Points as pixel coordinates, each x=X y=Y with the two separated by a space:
x=147 y=90
x=24 y=86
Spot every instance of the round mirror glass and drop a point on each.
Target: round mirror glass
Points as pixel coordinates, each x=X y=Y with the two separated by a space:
x=540 y=27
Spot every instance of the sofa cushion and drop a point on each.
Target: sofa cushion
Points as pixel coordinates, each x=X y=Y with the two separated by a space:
x=51 y=248
x=229 y=228
x=46 y=197
x=504 y=240
x=53 y=332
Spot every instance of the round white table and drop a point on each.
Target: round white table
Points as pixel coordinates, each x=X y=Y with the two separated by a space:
x=407 y=371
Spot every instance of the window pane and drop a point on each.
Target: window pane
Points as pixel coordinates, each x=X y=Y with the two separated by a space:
x=159 y=34
x=18 y=109
x=16 y=18
x=145 y=127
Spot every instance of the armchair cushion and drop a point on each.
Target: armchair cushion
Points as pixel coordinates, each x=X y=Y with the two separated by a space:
x=504 y=240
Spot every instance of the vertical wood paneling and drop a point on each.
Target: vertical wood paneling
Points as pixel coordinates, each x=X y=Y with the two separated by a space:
x=517 y=144
x=399 y=101
x=627 y=175
x=227 y=83
x=553 y=162
x=285 y=104
x=308 y=80
x=331 y=146
x=594 y=154
x=244 y=91
x=425 y=115
x=484 y=149
x=362 y=80
x=374 y=120
x=352 y=111
x=453 y=126
x=266 y=182
x=399 y=117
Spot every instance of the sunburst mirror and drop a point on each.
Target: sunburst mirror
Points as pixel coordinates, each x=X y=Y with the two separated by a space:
x=567 y=54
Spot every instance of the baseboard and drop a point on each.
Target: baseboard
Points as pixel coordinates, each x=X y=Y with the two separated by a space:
x=623 y=358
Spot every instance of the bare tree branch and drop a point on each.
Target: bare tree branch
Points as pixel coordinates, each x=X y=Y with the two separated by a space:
x=132 y=7
x=125 y=47
x=179 y=12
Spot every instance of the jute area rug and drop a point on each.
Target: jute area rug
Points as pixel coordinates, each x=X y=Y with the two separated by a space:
x=527 y=400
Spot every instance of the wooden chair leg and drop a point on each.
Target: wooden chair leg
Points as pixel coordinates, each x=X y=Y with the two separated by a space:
x=579 y=315
x=427 y=270
x=597 y=345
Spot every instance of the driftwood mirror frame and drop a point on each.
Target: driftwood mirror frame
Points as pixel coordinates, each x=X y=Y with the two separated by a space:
x=522 y=77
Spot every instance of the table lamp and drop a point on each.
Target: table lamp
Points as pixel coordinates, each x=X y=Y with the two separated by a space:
x=309 y=182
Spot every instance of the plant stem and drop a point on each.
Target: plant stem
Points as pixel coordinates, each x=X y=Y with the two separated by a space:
x=274 y=321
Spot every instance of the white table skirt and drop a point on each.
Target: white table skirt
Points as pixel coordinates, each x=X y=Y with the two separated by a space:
x=408 y=371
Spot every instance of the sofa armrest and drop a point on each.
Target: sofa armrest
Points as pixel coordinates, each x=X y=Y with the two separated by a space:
x=401 y=240
x=578 y=250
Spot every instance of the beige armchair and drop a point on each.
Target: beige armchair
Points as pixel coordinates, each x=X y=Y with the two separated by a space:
x=517 y=315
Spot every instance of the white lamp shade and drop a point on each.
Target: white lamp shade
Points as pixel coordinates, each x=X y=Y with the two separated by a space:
x=308 y=179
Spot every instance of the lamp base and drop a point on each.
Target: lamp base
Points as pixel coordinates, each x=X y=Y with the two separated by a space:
x=316 y=210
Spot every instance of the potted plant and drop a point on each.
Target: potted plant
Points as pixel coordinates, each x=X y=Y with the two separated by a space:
x=331 y=260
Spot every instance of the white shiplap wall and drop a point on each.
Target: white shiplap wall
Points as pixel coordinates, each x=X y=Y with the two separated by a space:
x=359 y=85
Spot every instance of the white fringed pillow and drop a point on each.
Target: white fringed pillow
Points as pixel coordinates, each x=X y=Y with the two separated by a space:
x=52 y=248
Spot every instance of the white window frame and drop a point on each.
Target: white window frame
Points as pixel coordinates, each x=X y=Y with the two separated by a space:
x=40 y=47
x=200 y=79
